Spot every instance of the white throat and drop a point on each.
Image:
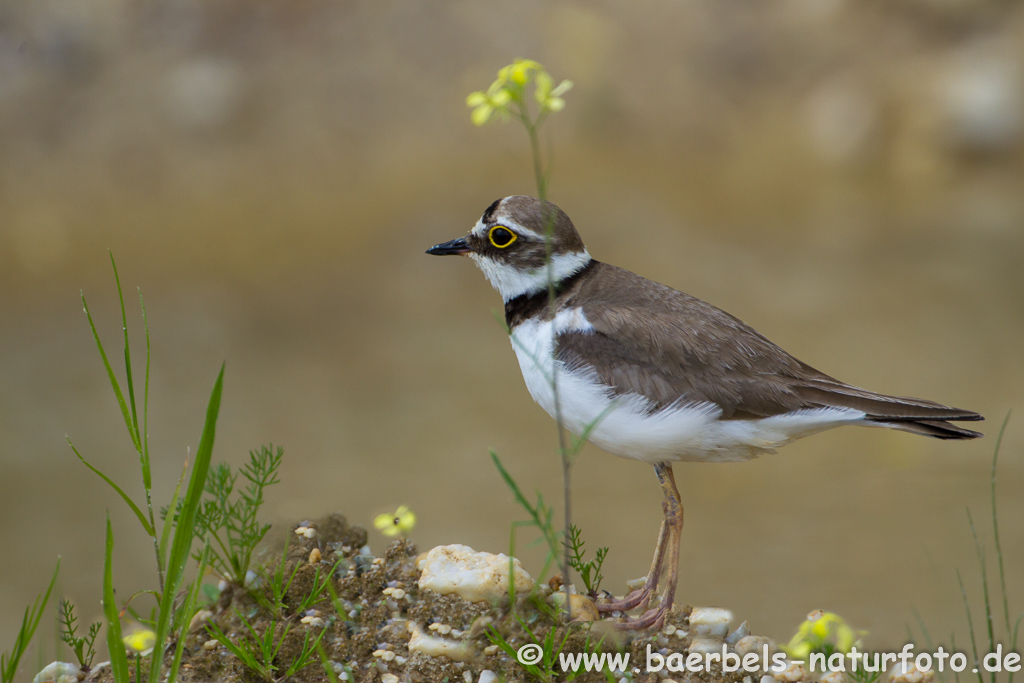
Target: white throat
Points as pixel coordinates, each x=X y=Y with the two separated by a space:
x=512 y=282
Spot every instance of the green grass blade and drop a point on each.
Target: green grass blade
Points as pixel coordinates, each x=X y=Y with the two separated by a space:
x=995 y=525
x=168 y=523
x=113 y=379
x=189 y=609
x=984 y=587
x=184 y=531
x=118 y=654
x=1013 y=641
x=29 y=623
x=147 y=476
x=127 y=358
x=970 y=625
x=135 y=508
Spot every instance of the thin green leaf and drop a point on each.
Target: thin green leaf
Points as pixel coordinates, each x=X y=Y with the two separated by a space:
x=970 y=624
x=147 y=476
x=29 y=623
x=984 y=587
x=189 y=610
x=135 y=508
x=118 y=654
x=995 y=523
x=127 y=358
x=113 y=379
x=168 y=522
x=184 y=531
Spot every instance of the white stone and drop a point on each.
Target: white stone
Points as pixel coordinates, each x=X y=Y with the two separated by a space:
x=834 y=677
x=710 y=621
x=389 y=678
x=487 y=676
x=433 y=646
x=706 y=645
x=474 y=576
x=748 y=644
x=912 y=675
x=795 y=671
x=58 y=672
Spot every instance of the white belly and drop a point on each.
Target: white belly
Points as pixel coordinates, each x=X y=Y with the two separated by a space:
x=623 y=425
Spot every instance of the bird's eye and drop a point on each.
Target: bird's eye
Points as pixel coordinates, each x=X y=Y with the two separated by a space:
x=501 y=237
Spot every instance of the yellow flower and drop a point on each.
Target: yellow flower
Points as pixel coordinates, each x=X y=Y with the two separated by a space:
x=496 y=99
x=401 y=521
x=519 y=71
x=821 y=629
x=550 y=97
x=140 y=641
x=510 y=88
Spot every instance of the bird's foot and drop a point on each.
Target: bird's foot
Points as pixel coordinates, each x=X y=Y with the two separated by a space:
x=634 y=599
x=652 y=618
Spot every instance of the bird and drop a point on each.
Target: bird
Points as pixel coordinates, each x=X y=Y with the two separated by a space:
x=650 y=373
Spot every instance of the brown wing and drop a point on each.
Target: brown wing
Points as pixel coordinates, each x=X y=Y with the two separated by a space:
x=672 y=347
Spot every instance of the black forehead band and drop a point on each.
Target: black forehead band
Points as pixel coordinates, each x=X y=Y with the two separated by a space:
x=489 y=212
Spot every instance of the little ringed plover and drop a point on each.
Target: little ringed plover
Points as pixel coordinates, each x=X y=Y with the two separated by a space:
x=658 y=375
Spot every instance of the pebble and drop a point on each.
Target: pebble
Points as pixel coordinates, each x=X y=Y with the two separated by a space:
x=487 y=676
x=768 y=679
x=834 y=677
x=491 y=650
x=748 y=644
x=199 y=618
x=705 y=645
x=742 y=631
x=389 y=678
x=315 y=556
x=710 y=621
x=211 y=644
x=581 y=608
x=433 y=646
x=636 y=584
x=314 y=621
x=796 y=671
x=58 y=672
x=474 y=576
x=913 y=675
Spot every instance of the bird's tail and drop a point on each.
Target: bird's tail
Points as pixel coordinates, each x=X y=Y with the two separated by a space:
x=914 y=415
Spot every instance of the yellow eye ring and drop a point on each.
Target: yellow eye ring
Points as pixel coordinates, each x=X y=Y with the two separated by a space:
x=501 y=237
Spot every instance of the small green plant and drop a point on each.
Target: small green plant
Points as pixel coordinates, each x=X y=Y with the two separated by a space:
x=320 y=590
x=259 y=651
x=273 y=598
x=29 y=622
x=1011 y=626
x=172 y=545
x=547 y=667
x=230 y=523
x=996 y=619
x=541 y=516
x=589 y=571
x=83 y=646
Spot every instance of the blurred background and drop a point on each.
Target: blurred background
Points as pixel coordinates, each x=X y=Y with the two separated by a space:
x=844 y=176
